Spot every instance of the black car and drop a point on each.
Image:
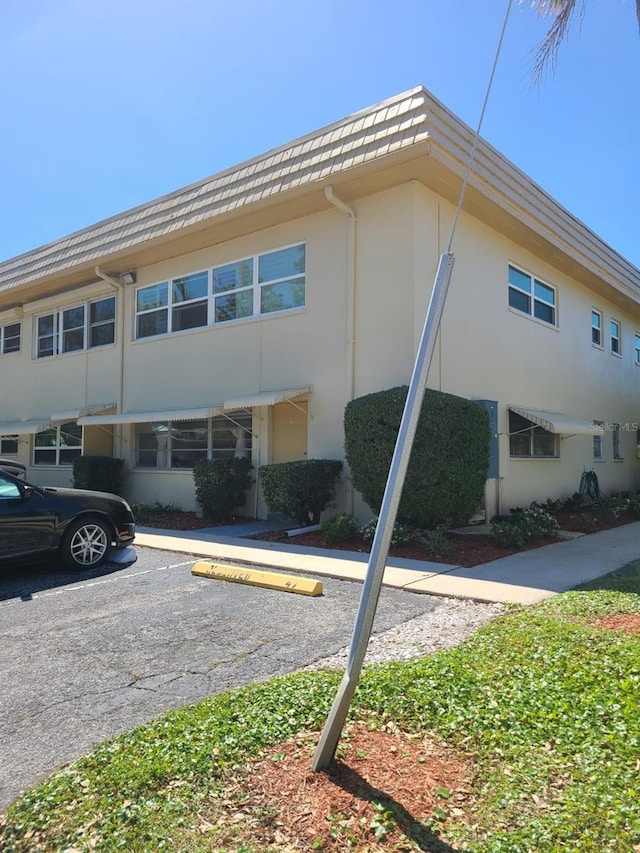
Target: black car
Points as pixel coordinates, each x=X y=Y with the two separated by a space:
x=80 y=526
x=13 y=467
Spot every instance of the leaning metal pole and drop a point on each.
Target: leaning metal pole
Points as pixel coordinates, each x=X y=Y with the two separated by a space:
x=388 y=511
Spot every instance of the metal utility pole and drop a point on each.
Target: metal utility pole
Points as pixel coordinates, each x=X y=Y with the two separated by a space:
x=382 y=540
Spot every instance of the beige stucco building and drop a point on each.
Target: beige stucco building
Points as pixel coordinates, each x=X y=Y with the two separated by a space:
x=240 y=314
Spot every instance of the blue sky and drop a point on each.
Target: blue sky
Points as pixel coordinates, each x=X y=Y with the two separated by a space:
x=107 y=104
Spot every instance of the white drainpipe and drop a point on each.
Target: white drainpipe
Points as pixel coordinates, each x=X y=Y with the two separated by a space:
x=119 y=286
x=351 y=308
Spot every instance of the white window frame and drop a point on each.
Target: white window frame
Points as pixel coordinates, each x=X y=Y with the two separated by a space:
x=615 y=340
x=58 y=331
x=256 y=288
x=596 y=330
x=598 y=443
x=535 y=431
x=58 y=447
x=239 y=422
x=531 y=296
x=616 y=443
x=3 y=337
x=636 y=348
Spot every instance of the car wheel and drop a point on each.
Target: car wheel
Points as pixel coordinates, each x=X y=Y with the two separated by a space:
x=86 y=544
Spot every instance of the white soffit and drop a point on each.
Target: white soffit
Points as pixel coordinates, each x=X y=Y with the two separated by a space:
x=264 y=398
x=74 y=414
x=23 y=427
x=557 y=422
x=150 y=417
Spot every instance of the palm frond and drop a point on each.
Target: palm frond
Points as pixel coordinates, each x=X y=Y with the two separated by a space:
x=564 y=12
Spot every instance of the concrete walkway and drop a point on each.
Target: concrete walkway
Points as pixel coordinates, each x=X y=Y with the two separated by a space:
x=522 y=578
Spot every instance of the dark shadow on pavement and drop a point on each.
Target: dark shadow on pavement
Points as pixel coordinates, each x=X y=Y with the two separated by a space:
x=22 y=580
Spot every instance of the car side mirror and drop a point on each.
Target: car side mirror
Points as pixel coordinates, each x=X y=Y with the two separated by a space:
x=26 y=491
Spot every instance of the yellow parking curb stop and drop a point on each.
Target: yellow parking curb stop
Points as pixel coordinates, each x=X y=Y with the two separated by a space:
x=258 y=577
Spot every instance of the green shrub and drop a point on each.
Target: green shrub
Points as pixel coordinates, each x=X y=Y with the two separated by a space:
x=100 y=473
x=437 y=541
x=221 y=485
x=609 y=510
x=523 y=526
x=339 y=527
x=302 y=489
x=402 y=533
x=448 y=466
x=633 y=504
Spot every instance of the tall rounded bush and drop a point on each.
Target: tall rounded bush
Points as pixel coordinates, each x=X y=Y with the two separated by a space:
x=221 y=485
x=301 y=489
x=98 y=473
x=448 y=465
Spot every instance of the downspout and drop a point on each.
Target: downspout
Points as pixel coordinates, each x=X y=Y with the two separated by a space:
x=119 y=286
x=351 y=309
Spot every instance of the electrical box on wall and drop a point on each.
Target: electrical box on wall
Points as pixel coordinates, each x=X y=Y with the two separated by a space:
x=491 y=407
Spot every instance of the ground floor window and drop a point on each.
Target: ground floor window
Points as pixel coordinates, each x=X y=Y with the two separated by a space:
x=527 y=439
x=9 y=445
x=180 y=444
x=58 y=445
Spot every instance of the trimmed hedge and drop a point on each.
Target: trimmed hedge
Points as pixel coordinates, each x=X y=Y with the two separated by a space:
x=449 y=461
x=302 y=489
x=98 y=473
x=221 y=485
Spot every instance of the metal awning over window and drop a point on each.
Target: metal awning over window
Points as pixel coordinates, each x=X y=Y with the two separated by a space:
x=150 y=417
x=264 y=398
x=74 y=414
x=557 y=422
x=24 y=427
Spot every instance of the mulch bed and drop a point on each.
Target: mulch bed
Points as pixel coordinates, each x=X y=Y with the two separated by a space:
x=466 y=550
x=384 y=791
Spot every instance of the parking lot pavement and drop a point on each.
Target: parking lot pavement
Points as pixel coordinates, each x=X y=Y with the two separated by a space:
x=85 y=657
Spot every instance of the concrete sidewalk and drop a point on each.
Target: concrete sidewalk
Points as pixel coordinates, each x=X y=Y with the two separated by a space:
x=522 y=578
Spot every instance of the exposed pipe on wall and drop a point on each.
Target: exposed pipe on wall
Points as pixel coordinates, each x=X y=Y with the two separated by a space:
x=351 y=308
x=119 y=286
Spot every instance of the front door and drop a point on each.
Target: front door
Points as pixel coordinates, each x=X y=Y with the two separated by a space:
x=289 y=424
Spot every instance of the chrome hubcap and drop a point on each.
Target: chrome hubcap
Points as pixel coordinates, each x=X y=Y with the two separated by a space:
x=89 y=545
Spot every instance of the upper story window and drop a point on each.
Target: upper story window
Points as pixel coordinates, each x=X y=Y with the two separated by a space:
x=59 y=445
x=596 y=328
x=527 y=439
x=532 y=296
x=262 y=284
x=9 y=338
x=180 y=444
x=84 y=326
x=636 y=348
x=616 y=342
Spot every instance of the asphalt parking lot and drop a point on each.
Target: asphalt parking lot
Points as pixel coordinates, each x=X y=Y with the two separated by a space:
x=85 y=657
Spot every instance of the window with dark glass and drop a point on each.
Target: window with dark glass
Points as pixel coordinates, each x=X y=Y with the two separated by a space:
x=9 y=338
x=58 y=445
x=9 y=445
x=180 y=444
x=531 y=296
x=616 y=346
x=527 y=439
x=85 y=326
x=596 y=328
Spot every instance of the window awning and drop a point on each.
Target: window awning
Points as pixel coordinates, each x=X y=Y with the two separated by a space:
x=74 y=414
x=264 y=398
x=557 y=422
x=150 y=417
x=24 y=427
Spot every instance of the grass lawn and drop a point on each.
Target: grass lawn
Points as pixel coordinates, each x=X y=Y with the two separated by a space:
x=524 y=738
